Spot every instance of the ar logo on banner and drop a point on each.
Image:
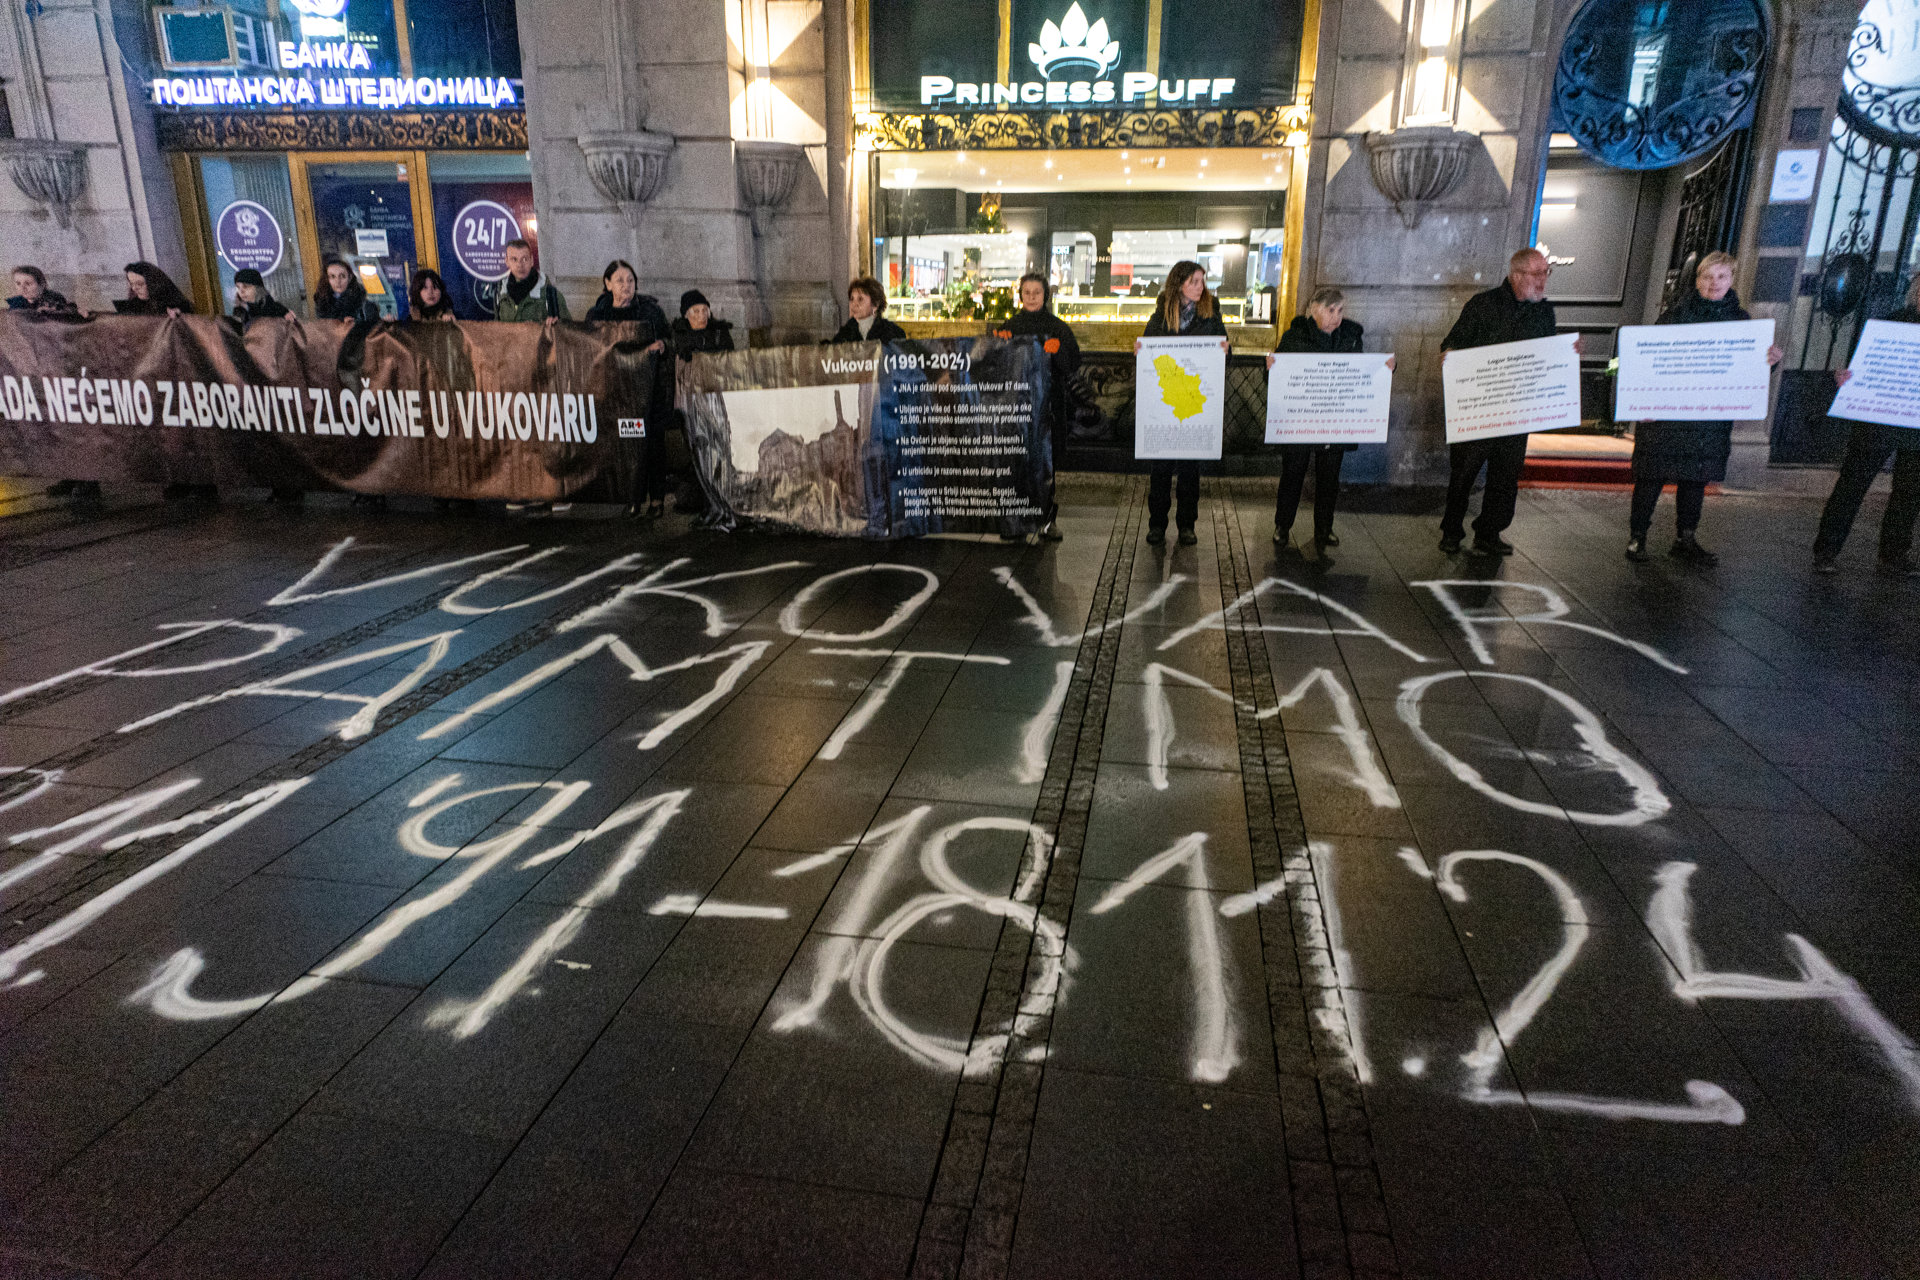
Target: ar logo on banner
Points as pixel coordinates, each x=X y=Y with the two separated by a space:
x=633 y=428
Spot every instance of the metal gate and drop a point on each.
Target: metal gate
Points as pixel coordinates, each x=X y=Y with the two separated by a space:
x=1859 y=265
x=1712 y=200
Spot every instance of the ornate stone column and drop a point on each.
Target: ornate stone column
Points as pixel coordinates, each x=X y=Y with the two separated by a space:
x=767 y=173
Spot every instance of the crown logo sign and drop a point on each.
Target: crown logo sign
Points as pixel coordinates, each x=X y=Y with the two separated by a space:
x=1074 y=43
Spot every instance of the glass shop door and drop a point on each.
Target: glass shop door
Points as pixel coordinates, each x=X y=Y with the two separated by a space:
x=374 y=212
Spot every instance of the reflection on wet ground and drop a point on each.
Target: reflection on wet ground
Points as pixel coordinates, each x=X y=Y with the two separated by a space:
x=394 y=896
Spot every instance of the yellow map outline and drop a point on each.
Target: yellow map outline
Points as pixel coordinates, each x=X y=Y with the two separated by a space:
x=1179 y=390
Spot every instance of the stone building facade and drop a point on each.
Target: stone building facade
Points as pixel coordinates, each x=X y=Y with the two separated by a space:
x=743 y=147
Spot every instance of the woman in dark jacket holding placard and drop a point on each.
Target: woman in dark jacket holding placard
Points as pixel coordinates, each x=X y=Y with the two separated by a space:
x=1186 y=308
x=1324 y=330
x=1687 y=455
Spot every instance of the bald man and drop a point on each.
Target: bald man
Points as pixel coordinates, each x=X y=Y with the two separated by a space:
x=1513 y=311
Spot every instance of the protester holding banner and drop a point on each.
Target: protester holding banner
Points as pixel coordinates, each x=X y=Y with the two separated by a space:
x=1323 y=330
x=1513 y=311
x=1868 y=444
x=1687 y=455
x=152 y=292
x=1035 y=319
x=621 y=302
x=339 y=296
x=427 y=297
x=1186 y=308
x=251 y=301
x=866 y=300
x=31 y=294
x=525 y=294
x=696 y=330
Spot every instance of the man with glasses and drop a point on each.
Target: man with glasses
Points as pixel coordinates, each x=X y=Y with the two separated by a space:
x=1514 y=311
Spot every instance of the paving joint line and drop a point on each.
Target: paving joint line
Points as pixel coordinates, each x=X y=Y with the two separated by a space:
x=1339 y=1209
x=967 y=1226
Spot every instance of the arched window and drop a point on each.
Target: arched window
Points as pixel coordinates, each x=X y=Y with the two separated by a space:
x=1646 y=84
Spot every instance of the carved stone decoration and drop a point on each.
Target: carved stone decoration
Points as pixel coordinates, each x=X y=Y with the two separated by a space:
x=47 y=172
x=767 y=172
x=1074 y=130
x=1416 y=167
x=342 y=130
x=627 y=167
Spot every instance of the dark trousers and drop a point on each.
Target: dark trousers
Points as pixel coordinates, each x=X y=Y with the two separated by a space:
x=1689 y=496
x=647 y=461
x=1867 y=450
x=1503 y=458
x=1160 y=488
x=1294 y=461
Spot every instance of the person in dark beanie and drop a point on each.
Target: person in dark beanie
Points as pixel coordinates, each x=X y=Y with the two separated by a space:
x=152 y=292
x=1687 y=455
x=696 y=329
x=251 y=301
x=1868 y=444
x=621 y=302
x=339 y=296
x=1323 y=330
x=1035 y=319
x=31 y=294
x=427 y=297
x=1515 y=310
x=866 y=303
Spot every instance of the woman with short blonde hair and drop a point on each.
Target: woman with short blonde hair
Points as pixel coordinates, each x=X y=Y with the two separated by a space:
x=1687 y=455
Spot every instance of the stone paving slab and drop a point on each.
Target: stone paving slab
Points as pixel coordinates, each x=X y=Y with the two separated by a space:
x=453 y=899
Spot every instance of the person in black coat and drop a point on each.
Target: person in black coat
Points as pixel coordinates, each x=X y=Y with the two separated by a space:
x=1515 y=310
x=427 y=299
x=1186 y=308
x=866 y=303
x=1035 y=319
x=621 y=302
x=1687 y=455
x=696 y=330
x=1868 y=444
x=339 y=296
x=31 y=294
x=152 y=292
x=1324 y=330
x=251 y=301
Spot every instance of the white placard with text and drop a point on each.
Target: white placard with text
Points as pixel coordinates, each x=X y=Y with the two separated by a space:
x=1179 y=397
x=1693 y=372
x=1885 y=387
x=1511 y=388
x=1328 y=399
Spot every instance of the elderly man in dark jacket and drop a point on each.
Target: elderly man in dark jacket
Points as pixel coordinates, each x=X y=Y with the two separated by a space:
x=1513 y=311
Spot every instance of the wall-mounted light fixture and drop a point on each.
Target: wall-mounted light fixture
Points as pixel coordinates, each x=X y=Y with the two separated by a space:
x=1430 y=85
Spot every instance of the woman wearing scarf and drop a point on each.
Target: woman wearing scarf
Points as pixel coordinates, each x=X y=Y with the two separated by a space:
x=1687 y=455
x=866 y=303
x=152 y=292
x=1186 y=309
x=339 y=296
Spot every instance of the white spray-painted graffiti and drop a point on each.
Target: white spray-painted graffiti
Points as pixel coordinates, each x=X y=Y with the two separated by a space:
x=855 y=951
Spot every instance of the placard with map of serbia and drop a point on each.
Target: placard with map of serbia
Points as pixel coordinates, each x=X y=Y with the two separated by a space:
x=1179 y=397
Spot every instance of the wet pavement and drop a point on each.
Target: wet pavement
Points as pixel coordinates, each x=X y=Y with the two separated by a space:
x=392 y=895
